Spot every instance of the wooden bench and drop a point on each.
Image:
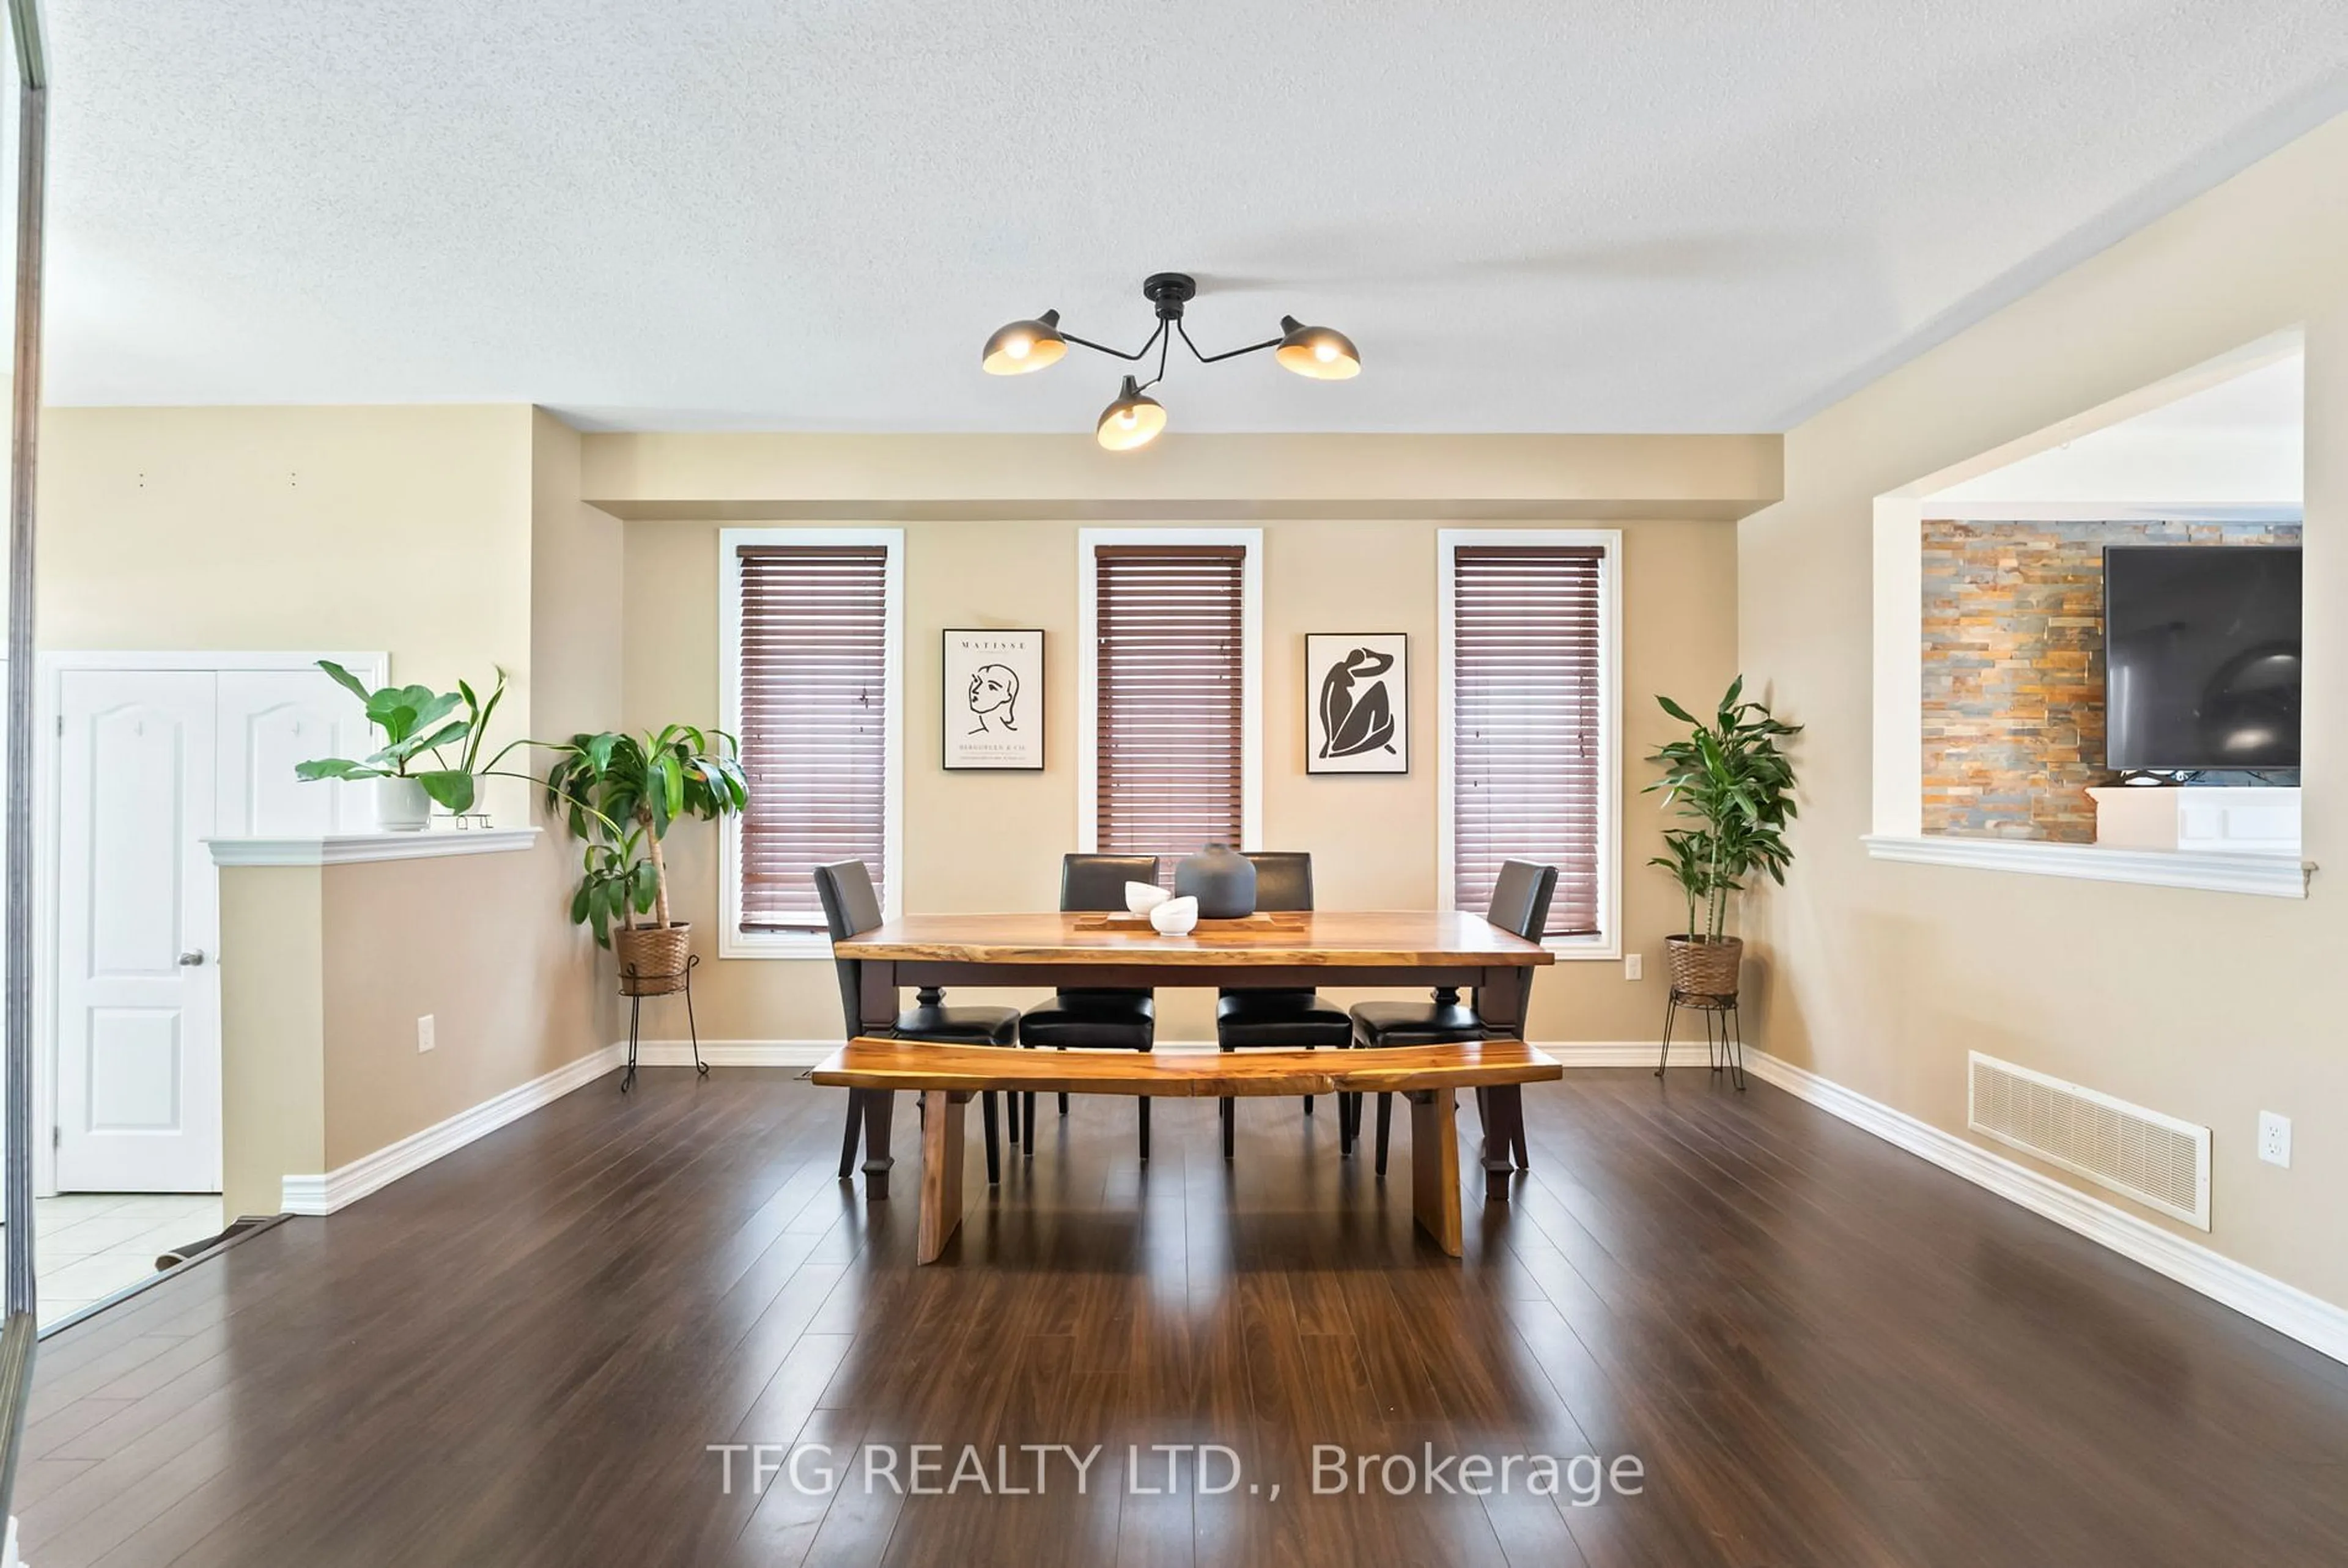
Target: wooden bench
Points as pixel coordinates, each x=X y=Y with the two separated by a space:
x=946 y=1076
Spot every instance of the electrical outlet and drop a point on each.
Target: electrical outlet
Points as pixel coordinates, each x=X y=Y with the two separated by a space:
x=424 y=1040
x=1633 y=965
x=2274 y=1139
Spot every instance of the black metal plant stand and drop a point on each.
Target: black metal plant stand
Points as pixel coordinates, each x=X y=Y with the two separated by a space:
x=1724 y=1032
x=636 y=988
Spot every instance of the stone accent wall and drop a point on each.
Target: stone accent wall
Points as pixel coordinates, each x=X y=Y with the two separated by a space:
x=2014 y=669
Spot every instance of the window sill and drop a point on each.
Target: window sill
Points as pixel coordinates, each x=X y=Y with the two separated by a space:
x=2271 y=875
x=733 y=943
x=1570 y=949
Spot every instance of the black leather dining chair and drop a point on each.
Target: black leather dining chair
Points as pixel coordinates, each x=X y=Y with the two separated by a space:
x=849 y=908
x=1520 y=900
x=1281 y=1019
x=1099 y=1020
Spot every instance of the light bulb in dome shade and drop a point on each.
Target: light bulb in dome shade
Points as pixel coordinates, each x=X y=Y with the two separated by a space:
x=1021 y=346
x=1133 y=420
x=1324 y=353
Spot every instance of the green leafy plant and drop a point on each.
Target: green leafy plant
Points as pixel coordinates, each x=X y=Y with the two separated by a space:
x=1732 y=783
x=416 y=732
x=620 y=793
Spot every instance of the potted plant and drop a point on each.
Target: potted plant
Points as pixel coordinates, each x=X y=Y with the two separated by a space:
x=413 y=735
x=1736 y=788
x=619 y=793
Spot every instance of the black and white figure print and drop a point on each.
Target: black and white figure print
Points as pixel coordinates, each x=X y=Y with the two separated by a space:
x=993 y=699
x=1360 y=692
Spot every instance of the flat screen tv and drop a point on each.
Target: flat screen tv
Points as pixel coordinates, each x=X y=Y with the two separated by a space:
x=2201 y=659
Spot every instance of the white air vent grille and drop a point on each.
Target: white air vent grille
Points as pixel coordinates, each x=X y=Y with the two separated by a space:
x=2158 y=1160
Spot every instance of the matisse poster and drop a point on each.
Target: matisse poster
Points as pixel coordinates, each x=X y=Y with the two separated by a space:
x=993 y=699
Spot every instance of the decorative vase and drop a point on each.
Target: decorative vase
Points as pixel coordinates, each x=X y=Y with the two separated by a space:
x=1175 y=917
x=401 y=805
x=652 y=959
x=1221 y=880
x=1704 y=966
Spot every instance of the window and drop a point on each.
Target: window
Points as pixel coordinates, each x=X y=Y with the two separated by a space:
x=1530 y=691
x=811 y=652
x=1168 y=694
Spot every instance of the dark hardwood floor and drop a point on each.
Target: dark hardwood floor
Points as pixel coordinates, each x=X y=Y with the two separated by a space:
x=1823 y=1352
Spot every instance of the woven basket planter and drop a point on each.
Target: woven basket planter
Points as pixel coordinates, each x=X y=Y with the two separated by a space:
x=652 y=958
x=1702 y=967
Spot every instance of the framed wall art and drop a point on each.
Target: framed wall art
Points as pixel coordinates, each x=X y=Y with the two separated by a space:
x=993 y=700
x=1359 y=691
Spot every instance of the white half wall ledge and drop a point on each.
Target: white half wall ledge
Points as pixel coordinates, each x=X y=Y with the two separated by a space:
x=2209 y=871
x=354 y=848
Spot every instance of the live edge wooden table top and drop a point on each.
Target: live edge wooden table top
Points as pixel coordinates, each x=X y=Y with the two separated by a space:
x=1351 y=947
x=1412 y=942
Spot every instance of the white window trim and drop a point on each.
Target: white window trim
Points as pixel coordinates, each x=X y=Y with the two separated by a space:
x=1089 y=541
x=1608 y=943
x=732 y=942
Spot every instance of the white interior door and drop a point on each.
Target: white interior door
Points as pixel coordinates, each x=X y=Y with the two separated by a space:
x=271 y=720
x=138 y=1005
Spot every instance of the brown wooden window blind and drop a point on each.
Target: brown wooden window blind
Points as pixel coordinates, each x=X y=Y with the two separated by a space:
x=1168 y=693
x=815 y=721
x=1527 y=716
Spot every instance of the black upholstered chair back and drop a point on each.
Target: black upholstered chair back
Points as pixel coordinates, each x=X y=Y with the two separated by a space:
x=1283 y=879
x=1520 y=898
x=850 y=907
x=1096 y=882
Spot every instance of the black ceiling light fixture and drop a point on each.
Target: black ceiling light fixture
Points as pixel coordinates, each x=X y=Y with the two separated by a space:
x=1135 y=419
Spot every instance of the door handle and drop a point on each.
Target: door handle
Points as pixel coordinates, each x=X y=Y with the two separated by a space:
x=190 y=960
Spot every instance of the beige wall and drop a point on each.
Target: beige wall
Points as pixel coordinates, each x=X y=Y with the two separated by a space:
x=993 y=841
x=896 y=478
x=402 y=529
x=458 y=538
x=453 y=538
x=274 y=1066
x=475 y=940
x=2205 y=1006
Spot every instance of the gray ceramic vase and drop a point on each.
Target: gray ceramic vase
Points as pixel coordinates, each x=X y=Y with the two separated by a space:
x=1221 y=880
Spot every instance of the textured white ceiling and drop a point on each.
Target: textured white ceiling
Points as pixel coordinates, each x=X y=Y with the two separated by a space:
x=1610 y=215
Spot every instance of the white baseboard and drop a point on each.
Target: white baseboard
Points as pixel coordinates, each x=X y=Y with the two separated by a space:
x=728 y=1052
x=1624 y=1053
x=2285 y=1308
x=339 y=1188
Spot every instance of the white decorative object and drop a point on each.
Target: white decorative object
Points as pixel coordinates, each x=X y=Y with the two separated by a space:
x=401 y=805
x=1141 y=897
x=1175 y=916
x=2262 y=820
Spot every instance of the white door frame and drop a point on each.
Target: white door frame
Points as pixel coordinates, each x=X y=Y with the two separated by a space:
x=49 y=672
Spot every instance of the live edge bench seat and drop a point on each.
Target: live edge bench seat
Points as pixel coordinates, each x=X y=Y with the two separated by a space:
x=946 y=1076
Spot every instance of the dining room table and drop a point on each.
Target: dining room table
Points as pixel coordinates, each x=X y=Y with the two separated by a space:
x=1283 y=950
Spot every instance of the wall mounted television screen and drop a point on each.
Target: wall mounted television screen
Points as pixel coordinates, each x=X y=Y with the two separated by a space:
x=2201 y=657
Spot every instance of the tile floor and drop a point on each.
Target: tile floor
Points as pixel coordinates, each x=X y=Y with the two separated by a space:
x=88 y=1245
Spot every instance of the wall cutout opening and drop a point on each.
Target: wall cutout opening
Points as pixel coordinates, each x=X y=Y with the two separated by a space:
x=2087 y=641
